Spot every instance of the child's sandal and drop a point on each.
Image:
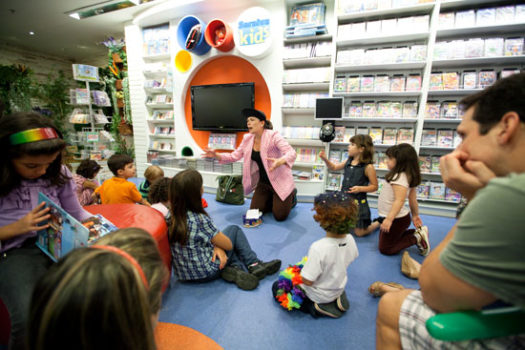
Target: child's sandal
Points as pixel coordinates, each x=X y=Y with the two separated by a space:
x=375 y=288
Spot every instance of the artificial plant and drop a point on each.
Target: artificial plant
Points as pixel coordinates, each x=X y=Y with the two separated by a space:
x=16 y=88
x=54 y=94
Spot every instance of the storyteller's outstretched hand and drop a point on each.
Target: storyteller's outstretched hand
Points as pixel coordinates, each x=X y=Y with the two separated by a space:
x=210 y=153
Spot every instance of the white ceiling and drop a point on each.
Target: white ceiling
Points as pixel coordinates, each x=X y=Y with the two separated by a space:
x=58 y=34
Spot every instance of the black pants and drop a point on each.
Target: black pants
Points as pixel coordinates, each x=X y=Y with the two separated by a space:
x=266 y=200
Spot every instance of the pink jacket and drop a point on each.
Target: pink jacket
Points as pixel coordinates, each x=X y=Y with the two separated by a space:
x=273 y=145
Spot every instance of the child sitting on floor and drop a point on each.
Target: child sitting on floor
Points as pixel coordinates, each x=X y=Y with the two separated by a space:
x=152 y=174
x=320 y=287
x=118 y=189
x=85 y=181
x=158 y=197
x=200 y=251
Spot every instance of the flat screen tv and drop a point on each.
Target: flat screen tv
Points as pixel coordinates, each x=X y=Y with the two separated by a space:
x=329 y=108
x=218 y=107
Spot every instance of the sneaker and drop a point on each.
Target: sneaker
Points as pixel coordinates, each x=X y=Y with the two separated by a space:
x=342 y=302
x=422 y=240
x=328 y=309
x=241 y=278
x=261 y=269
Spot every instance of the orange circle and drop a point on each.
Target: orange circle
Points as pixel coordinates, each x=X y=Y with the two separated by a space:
x=227 y=70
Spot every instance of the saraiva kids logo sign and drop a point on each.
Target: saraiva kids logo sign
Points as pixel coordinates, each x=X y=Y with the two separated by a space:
x=253 y=32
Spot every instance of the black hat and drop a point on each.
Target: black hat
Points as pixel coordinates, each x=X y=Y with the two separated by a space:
x=251 y=112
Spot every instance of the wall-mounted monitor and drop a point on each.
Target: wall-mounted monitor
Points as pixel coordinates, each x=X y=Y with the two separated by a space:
x=330 y=108
x=218 y=107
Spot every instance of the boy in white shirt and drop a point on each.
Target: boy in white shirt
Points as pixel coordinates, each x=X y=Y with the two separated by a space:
x=324 y=273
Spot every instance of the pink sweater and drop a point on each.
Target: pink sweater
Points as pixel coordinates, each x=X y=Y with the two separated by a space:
x=273 y=145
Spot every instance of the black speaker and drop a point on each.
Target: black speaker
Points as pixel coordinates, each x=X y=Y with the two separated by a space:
x=327 y=132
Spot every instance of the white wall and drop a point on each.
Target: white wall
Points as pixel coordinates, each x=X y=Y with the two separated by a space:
x=40 y=64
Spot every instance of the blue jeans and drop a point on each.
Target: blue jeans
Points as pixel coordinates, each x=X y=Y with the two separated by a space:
x=242 y=254
x=20 y=269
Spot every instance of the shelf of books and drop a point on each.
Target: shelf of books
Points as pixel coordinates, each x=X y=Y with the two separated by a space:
x=307 y=76
x=158 y=89
x=414 y=79
x=349 y=10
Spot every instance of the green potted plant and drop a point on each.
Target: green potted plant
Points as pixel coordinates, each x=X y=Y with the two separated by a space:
x=54 y=95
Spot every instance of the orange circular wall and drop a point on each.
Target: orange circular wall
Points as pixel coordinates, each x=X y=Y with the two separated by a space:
x=226 y=70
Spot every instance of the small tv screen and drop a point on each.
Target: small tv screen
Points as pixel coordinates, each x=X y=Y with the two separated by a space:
x=329 y=108
x=218 y=107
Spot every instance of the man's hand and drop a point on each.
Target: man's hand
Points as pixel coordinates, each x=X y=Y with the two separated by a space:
x=221 y=254
x=463 y=175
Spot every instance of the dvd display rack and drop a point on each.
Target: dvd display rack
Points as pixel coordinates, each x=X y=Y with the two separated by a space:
x=401 y=66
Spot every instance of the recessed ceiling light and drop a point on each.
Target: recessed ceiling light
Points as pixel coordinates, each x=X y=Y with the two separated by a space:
x=31 y=33
x=102 y=8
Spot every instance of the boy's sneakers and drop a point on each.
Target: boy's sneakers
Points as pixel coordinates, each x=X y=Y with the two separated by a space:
x=243 y=279
x=328 y=309
x=422 y=240
x=261 y=269
x=342 y=302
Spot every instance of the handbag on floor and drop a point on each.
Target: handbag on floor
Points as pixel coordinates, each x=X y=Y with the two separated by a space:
x=230 y=189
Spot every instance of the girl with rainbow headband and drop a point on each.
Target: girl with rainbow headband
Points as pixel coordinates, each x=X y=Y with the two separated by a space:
x=31 y=162
x=317 y=284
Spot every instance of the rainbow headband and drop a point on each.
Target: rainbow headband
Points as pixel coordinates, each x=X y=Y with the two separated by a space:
x=33 y=135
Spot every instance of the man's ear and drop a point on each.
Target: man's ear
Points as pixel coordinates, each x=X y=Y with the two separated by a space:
x=509 y=126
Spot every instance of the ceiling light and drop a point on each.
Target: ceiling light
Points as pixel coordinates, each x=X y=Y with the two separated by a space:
x=31 y=33
x=102 y=8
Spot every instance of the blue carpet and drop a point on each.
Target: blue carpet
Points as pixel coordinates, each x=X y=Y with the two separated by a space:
x=239 y=319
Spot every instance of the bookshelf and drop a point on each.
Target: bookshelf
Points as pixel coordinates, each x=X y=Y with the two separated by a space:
x=307 y=63
x=158 y=91
x=443 y=51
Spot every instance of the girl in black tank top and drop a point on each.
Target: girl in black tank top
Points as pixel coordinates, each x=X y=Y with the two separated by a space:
x=359 y=178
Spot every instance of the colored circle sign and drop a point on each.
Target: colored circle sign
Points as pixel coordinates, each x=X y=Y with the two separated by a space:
x=183 y=61
x=253 y=32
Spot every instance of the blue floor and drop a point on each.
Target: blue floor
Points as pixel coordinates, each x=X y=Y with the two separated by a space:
x=239 y=319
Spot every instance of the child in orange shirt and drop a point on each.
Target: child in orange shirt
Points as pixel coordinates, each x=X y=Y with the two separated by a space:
x=118 y=189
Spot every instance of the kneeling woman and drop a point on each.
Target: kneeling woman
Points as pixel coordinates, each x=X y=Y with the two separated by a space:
x=267 y=165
